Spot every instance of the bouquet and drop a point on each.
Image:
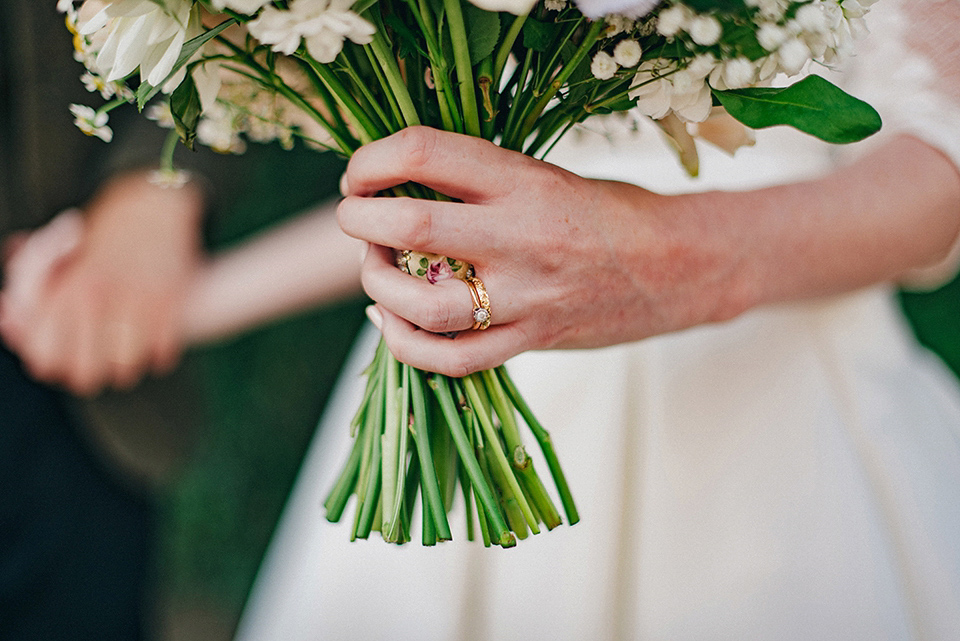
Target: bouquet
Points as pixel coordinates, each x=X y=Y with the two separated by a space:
x=336 y=74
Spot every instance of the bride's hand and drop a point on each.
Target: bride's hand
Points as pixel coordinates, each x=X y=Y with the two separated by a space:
x=567 y=262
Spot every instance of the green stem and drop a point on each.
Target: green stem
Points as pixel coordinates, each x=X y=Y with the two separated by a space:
x=371 y=494
x=390 y=446
x=360 y=119
x=395 y=530
x=449 y=114
x=398 y=88
x=432 y=499
x=530 y=121
x=501 y=534
x=546 y=445
x=503 y=52
x=532 y=486
x=461 y=56
x=493 y=441
x=166 y=153
x=337 y=499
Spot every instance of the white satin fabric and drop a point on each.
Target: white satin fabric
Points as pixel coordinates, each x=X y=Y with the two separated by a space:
x=793 y=474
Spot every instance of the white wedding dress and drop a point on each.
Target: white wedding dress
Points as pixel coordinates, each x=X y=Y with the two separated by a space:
x=793 y=474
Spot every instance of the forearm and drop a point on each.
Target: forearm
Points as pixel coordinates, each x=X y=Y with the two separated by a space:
x=894 y=211
x=303 y=263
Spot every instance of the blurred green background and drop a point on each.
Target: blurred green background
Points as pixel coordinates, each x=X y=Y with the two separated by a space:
x=260 y=398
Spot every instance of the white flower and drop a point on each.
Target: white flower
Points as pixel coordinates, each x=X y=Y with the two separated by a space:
x=169 y=178
x=603 y=66
x=770 y=9
x=144 y=34
x=516 y=7
x=693 y=104
x=633 y=9
x=554 y=5
x=672 y=20
x=853 y=9
x=217 y=130
x=793 y=55
x=627 y=53
x=652 y=92
x=321 y=24
x=811 y=18
x=160 y=114
x=733 y=74
x=617 y=24
x=701 y=65
x=92 y=122
x=771 y=35
x=247 y=7
x=705 y=30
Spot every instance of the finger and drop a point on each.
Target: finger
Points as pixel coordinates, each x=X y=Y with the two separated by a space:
x=42 y=347
x=444 y=306
x=167 y=347
x=87 y=373
x=126 y=349
x=451 y=229
x=469 y=352
x=464 y=167
x=12 y=244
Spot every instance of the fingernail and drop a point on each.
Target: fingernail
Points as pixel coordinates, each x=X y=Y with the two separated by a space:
x=375 y=316
x=344 y=186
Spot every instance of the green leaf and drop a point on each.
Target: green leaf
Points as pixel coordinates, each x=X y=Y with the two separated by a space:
x=539 y=35
x=185 y=107
x=483 y=32
x=814 y=105
x=146 y=91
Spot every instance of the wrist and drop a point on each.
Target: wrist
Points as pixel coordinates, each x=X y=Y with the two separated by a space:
x=730 y=252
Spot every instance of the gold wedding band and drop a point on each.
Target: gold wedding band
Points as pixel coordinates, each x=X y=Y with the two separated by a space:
x=481 y=303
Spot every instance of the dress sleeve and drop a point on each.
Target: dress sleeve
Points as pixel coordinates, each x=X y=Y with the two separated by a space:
x=908 y=68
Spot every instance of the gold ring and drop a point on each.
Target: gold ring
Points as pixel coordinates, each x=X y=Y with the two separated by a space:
x=481 y=303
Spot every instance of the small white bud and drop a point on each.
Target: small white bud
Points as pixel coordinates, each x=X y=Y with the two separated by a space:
x=811 y=18
x=603 y=66
x=672 y=20
x=793 y=55
x=705 y=30
x=771 y=35
x=627 y=53
x=738 y=73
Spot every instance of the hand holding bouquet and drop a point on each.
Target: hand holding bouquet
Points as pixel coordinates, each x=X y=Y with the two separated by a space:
x=521 y=74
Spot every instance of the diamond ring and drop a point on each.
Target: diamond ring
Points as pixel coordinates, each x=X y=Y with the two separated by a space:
x=481 y=303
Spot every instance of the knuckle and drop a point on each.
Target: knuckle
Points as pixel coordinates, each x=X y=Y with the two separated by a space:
x=462 y=363
x=439 y=317
x=417 y=146
x=346 y=212
x=418 y=229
